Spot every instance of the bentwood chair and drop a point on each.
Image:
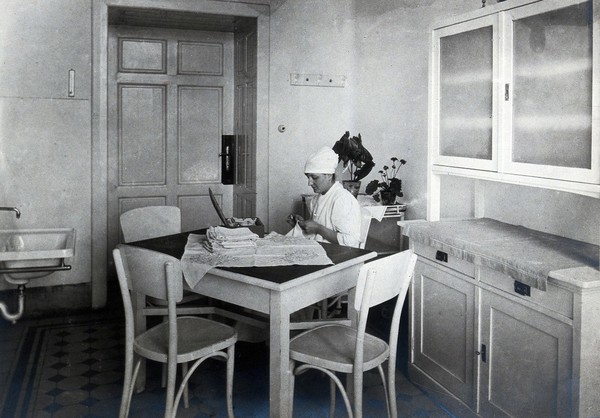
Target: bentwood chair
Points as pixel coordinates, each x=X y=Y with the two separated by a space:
x=155 y=221
x=179 y=340
x=350 y=349
x=150 y=222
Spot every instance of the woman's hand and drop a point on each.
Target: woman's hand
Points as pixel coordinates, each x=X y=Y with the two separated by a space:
x=309 y=226
x=293 y=219
x=312 y=227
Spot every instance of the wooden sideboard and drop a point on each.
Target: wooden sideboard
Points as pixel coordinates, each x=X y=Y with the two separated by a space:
x=504 y=320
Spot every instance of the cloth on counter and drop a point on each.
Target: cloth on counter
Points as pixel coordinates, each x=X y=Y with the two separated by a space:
x=526 y=255
x=272 y=250
x=376 y=212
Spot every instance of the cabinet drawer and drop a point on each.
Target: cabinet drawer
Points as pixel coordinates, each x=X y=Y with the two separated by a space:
x=449 y=260
x=554 y=298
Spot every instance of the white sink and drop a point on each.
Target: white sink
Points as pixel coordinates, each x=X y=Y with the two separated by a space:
x=35 y=249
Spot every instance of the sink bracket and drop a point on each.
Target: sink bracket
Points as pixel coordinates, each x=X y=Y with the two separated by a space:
x=61 y=267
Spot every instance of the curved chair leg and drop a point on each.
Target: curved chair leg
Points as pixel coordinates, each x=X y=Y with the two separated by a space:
x=186 y=395
x=126 y=401
x=230 y=367
x=385 y=390
x=171 y=381
x=331 y=398
x=127 y=387
x=334 y=378
x=392 y=390
x=358 y=393
x=190 y=372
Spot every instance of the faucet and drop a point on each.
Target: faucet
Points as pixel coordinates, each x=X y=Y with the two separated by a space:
x=9 y=209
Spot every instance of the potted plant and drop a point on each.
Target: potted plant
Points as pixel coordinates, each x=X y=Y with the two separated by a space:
x=390 y=186
x=356 y=159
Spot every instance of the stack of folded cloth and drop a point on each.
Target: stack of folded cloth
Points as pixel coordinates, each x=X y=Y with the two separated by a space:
x=219 y=238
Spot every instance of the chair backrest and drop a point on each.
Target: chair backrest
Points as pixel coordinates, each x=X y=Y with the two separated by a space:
x=383 y=279
x=145 y=271
x=149 y=222
x=392 y=275
x=379 y=281
x=365 y=224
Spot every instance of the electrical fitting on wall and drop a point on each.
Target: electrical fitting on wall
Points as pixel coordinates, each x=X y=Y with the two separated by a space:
x=318 y=80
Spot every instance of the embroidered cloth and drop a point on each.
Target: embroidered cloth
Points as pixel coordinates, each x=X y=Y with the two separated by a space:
x=272 y=250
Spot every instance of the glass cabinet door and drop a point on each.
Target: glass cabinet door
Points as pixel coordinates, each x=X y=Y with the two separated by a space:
x=464 y=105
x=549 y=99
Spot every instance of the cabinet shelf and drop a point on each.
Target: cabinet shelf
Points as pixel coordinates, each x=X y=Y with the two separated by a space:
x=562 y=122
x=555 y=69
x=586 y=189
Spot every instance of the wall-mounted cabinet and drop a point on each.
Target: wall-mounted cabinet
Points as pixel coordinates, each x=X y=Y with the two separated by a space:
x=514 y=96
x=40 y=41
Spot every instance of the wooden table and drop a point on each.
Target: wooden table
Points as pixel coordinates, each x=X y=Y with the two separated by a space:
x=276 y=292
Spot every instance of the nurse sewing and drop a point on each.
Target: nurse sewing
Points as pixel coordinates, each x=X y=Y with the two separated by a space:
x=335 y=212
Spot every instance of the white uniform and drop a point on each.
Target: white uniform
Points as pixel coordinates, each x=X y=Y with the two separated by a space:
x=338 y=210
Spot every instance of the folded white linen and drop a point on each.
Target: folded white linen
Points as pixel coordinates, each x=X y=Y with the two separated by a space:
x=221 y=234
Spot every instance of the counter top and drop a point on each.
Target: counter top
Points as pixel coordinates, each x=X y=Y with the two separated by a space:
x=527 y=255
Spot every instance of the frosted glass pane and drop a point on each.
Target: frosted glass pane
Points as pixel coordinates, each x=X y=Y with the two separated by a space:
x=466 y=94
x=552 y=120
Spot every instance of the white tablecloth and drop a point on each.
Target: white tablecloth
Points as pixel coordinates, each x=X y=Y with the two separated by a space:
x=272 y=250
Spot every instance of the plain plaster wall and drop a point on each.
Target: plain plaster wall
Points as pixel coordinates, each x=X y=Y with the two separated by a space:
x=307 y=37
x=382 y=46
x=45 y=140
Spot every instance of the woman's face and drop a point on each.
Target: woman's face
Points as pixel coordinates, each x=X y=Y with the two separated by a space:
x=320 y=183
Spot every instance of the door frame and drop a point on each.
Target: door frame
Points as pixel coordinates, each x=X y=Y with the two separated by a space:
x=99 y=212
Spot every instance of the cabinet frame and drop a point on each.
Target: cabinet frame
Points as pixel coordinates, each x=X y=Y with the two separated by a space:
x=506 y=19
x=574 y=180
x=437 y=158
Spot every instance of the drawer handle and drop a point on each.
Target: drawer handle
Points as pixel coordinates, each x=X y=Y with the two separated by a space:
x=441 y=256
x=522 y=288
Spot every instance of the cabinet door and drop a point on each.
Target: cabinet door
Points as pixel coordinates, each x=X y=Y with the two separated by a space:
x=463 y=105
x=443 y=328
x=40 y=42
x=527 y=369
x=549 y=91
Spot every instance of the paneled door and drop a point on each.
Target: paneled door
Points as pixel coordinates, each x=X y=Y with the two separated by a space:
x=170 y=100
x=244 y=191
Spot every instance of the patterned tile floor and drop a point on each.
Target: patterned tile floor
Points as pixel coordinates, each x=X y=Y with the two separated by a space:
x=72 y=366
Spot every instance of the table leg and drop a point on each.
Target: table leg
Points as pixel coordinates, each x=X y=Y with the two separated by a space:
x=279 y=353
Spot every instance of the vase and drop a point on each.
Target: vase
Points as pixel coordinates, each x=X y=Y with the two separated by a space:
x=352 y=186
x=388 y=198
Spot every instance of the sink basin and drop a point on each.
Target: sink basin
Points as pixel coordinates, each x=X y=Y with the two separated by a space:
x=35 y=249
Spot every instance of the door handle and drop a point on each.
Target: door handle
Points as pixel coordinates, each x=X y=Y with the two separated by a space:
x=227 y=156
x=482 y=353
x=227 y=159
